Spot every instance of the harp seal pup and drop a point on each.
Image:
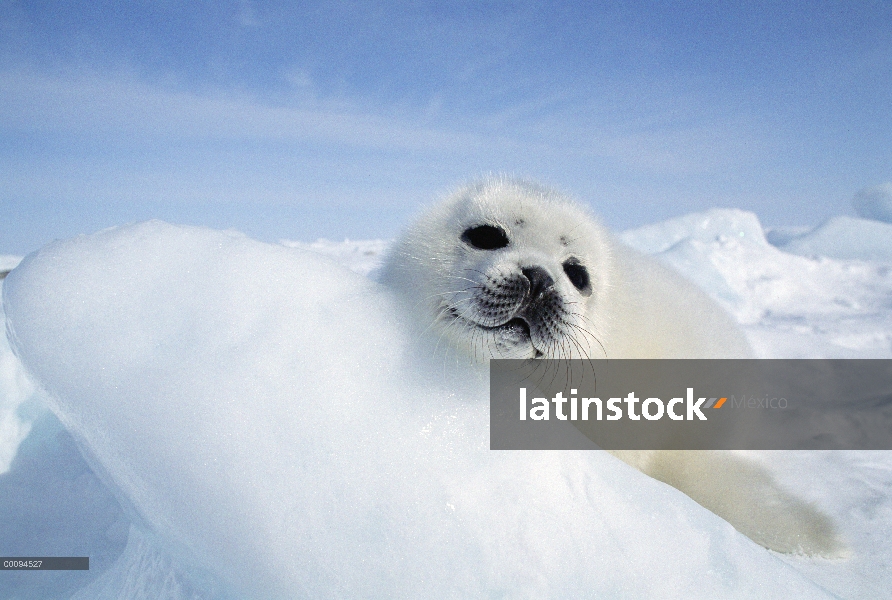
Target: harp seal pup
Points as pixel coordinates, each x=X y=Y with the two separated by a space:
x=505 y=268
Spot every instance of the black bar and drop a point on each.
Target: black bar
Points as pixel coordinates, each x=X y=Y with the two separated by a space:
x=44 y=563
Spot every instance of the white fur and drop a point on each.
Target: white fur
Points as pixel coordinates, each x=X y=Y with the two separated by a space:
x=433 y=269
x=636 y=308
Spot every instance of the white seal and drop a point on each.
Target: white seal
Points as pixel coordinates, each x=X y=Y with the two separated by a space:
x=509 y=269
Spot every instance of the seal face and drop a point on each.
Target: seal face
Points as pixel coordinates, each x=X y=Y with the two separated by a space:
x=505 y=269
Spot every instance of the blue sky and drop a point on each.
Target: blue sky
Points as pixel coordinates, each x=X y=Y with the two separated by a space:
x=300 y=120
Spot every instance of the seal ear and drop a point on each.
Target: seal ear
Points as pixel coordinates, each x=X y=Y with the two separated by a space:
x=485 y=237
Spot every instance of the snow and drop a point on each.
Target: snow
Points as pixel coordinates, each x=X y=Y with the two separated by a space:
x=271 y=432
x=713 y=225
x=15 y=390
x=8 y=262
x=363 y=256
x=846 y=238
x=790 y=306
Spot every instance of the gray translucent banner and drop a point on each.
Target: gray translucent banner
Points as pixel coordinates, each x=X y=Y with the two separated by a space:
x=45 y=563
x=691 y=404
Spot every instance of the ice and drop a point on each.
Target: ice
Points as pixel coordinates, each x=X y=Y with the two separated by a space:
x=846 y=238
x=275 y=434
x=856 y=488
x=360 y=256
x=710 y=226
x=15 y=390
x=8 y=262
x=265 y=366
x=790 y=306
x=53 y=504
x=874 y=202
x=781 y=234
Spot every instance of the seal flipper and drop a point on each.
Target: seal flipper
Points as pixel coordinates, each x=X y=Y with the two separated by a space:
x=745 y=495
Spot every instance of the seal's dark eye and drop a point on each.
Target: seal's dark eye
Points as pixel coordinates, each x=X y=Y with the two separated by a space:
x=485 y=237
x=578 y=276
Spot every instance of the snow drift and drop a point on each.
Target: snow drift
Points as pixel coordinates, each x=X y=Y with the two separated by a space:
x=268 y=425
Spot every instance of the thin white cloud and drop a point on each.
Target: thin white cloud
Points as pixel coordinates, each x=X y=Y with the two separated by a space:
x=93 y=105
x=135 y=112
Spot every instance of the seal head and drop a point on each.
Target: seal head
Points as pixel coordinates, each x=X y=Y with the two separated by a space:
x=505 y=269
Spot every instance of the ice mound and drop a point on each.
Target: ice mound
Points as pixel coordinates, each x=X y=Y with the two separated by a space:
x=874 y=203
x=360 y=256
x=790 y=306
x=716 y=224
x=15 y=390
x=267 y=422
x=692 y=243
x=8 y=262
x=847 y=238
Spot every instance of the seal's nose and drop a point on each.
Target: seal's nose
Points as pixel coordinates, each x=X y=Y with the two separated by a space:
x=540 y=280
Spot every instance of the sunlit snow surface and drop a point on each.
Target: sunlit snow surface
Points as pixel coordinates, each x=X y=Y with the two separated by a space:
x=273 y=453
